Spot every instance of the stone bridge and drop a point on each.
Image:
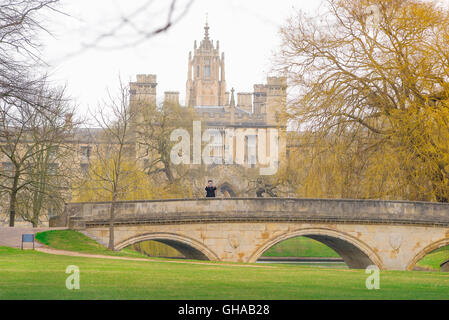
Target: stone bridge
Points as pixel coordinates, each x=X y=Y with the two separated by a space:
x=390 y=234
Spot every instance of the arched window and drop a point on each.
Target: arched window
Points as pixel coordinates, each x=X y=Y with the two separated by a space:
x=207 y=69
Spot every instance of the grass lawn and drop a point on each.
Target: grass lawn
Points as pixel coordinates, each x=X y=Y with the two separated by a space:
x=33 y=275
x=434 y=259
x=301 y=247
x=71 y=240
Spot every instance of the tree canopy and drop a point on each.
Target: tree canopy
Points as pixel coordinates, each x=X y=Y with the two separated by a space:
x=370 y=86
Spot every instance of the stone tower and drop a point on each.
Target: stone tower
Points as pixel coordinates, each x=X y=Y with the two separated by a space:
x=270 y=99
x=142 y=94
x=276 y=99
x=206 y=84
x=144 y=89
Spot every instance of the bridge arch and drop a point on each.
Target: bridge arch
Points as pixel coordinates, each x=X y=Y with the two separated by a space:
x=190 y=248
x=431 y=247
x=355 y=253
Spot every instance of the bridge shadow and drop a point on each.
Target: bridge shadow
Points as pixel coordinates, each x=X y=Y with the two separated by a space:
x=185 y=250
x=187 y=247
x=355 y=254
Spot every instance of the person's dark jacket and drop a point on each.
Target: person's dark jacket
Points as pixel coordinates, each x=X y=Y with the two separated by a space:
x=210 y=192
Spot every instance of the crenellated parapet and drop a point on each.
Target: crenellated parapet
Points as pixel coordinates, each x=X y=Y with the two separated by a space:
x=144 y=88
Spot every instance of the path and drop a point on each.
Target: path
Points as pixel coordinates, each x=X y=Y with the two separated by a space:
x=12 y=237
x=99 y=256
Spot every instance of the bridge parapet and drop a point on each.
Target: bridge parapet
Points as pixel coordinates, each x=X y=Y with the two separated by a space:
x=81 y=215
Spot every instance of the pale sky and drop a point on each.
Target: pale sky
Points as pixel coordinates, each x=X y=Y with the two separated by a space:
x=247 y=31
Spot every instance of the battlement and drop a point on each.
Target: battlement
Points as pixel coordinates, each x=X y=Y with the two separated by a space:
x=144 y=89
x=171 y=97
x=259 y=87
x=245 y=101
x=277 y=81
x=146 y=78
x=227 y=116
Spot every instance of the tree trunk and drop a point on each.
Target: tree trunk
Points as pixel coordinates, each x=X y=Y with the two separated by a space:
x=111 y=226
x=12 y=214
x=12 y=202
x=168 y=173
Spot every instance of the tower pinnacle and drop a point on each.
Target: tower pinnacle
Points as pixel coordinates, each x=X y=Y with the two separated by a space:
x=232 y=103
x=206 y=82
x=206 y=29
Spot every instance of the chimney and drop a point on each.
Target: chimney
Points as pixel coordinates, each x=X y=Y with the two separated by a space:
x=172 y=97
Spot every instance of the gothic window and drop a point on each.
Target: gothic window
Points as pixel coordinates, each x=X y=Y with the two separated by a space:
x=251 y=144
x=206 y=69
x=198 y=71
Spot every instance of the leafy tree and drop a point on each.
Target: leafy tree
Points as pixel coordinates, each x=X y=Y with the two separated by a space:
x=133 y=184
x=371 y=101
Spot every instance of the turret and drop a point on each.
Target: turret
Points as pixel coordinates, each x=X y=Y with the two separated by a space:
x=144 y=89
x=171 y=97
x=245 y=102
x=206 y=84
x=276 y=98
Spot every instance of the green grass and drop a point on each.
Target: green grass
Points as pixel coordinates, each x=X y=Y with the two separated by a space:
x=156 y=249
x=433 y=260
x=33 y=275
x=71 y=240
x=300 y=247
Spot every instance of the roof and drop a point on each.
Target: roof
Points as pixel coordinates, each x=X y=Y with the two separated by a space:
x=216 y=109
x=241 y=110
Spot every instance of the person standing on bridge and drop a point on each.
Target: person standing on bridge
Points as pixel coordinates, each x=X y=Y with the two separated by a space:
x=210 y=189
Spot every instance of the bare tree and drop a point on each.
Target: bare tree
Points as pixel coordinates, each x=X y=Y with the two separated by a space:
x=146 y=20
x=114 y=147
x=20 y=25
x=28 y=132
x=50 y=171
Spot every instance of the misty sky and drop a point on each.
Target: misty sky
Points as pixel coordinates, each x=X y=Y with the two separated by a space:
x=247 y=31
